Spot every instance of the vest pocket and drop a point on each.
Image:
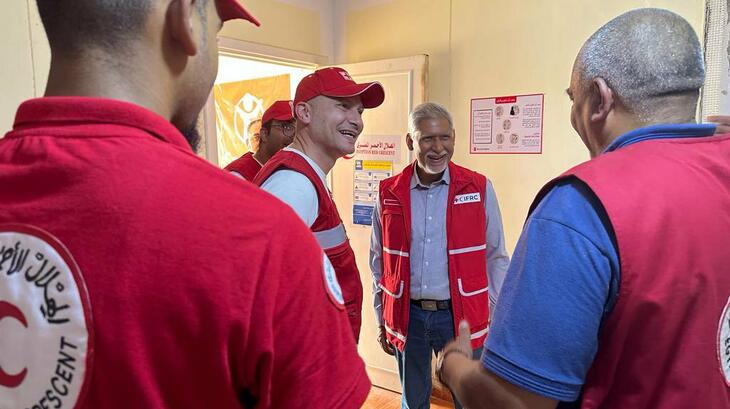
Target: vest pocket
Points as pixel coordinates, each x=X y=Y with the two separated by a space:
x=469 y=263
x=394 y=252
x=470 y=293
x=472 y=286
x=393 y=228
x=395 y=291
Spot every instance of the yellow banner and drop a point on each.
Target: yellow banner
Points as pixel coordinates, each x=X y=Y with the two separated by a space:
x=239 y=103
x=377 y=165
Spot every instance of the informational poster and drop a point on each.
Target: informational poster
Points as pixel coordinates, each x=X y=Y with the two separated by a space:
x=375 y=156
x=367 y=177
x=510 y=124
x=239 y=103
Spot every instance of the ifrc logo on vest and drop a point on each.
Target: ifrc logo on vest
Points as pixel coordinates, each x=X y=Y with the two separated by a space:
x=467 y=198
x=46 y=345
x=723 y=342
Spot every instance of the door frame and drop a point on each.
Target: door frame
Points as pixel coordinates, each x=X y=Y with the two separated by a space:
x=252 y=51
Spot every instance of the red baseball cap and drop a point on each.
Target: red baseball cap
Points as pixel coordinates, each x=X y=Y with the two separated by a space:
x=336 y=82
x=232 y=9
x=279 y=110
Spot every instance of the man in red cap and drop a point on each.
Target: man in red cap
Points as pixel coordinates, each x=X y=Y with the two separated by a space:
x=277 y=131
x=328 y=108
x=121 y=278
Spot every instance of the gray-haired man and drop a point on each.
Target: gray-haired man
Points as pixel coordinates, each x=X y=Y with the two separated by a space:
x=437 y=252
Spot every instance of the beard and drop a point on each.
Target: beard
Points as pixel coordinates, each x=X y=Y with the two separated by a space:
x=192 y=135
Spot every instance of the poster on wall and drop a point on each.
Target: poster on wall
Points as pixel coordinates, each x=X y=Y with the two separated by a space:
x=367 y=177
x=509 y=124
x=379 y=147
x=239 y=103
x=374 y=156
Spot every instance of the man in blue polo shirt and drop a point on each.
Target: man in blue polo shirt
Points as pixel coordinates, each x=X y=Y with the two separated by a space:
x=619 y=278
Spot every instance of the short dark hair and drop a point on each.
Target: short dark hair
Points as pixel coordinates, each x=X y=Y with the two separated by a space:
x=75 y=25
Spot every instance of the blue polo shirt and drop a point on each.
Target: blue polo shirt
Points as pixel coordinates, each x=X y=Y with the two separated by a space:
x=561 y=283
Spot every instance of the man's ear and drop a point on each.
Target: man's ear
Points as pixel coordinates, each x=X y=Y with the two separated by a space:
x=303 y=112
x=180 y=23
x=409 y=141
x=602 y=100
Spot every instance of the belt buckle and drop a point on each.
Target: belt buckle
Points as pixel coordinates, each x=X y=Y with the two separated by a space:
x=429 y=305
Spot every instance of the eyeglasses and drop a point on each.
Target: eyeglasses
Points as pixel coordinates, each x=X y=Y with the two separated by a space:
x=286 y=128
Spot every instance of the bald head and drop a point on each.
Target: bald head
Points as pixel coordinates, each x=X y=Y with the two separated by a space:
x=651 y=59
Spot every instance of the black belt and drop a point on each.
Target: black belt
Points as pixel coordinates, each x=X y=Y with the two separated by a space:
x=432 y=305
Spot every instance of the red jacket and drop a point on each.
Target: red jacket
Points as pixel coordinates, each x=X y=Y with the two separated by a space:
x=246 y=166
x=662 y=345
x=329 y=232
x=466 y=242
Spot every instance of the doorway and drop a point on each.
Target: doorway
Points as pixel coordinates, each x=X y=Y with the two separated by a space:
x=250 y=78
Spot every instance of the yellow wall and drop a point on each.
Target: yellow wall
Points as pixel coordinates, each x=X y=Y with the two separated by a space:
x=499 y=47
x=400 y=29
x=282 y=25
x=24 y=70
x=17 y=79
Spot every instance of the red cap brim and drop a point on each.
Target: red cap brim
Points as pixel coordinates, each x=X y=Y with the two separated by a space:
x=232 y=9
x=371 y=94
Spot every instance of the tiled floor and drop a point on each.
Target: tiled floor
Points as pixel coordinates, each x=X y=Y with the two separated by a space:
x=384 y=399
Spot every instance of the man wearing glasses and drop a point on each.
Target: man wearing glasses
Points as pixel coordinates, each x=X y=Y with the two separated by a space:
x=328 y=108
x=276 y=132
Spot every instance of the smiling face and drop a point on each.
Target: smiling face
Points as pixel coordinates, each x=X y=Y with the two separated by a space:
x=433 y=144
x=336 y=123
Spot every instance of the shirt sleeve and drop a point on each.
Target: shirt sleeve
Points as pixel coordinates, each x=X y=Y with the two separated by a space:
x=563 y=275
x=497 y=257
x=376 y=262
x=294 y=189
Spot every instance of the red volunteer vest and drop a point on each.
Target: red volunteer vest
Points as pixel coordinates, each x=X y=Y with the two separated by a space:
x=246 y=166
x=663 y=345
x=466 y=243
x=329 y=232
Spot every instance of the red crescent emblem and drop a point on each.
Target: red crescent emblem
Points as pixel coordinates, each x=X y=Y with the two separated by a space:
x=8 y=310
